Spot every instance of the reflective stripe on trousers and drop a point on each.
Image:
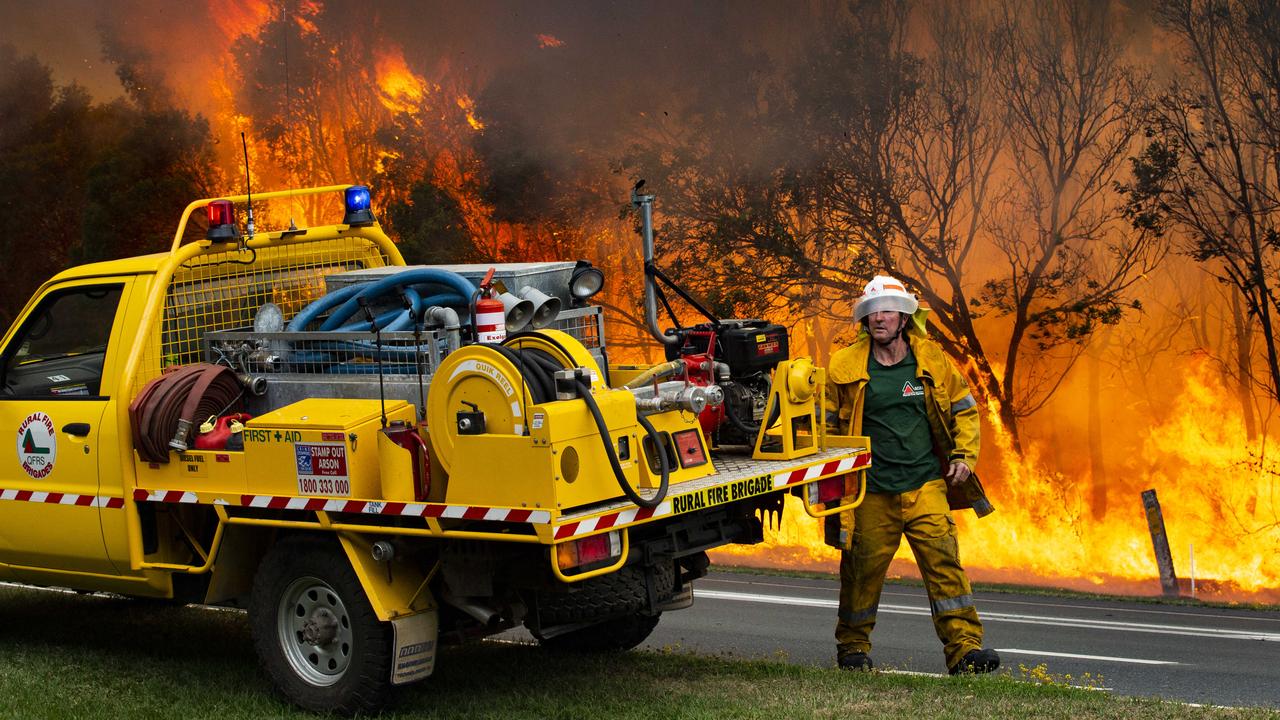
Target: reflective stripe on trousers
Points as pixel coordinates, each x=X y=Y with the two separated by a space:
x=880 y=522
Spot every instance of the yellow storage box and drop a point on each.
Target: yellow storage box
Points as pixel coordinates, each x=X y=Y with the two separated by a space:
x=319 y=447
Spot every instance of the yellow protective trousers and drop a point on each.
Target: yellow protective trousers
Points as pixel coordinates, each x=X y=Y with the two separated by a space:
x=878 y=526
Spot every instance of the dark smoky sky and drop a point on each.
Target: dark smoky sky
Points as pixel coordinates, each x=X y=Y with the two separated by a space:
x=616 y=56
x=563 y=107
x=617 y=67
x=63 y=34
x=609 y=48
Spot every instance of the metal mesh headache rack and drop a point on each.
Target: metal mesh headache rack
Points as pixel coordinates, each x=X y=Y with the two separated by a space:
x=221 y=291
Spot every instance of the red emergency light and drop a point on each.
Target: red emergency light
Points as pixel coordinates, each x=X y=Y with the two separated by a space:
x=222 y=220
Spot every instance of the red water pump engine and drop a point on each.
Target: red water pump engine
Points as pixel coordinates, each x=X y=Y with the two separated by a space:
x=737 y=355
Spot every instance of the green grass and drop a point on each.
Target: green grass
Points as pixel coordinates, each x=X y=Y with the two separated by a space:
x=66 y=656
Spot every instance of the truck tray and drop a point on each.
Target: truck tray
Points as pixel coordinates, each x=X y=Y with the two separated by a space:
x=739 y=477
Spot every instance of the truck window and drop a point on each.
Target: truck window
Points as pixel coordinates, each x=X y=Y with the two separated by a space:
x=60 y=348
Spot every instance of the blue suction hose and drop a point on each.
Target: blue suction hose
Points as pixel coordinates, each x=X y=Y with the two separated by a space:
x=400 y=319
x=345 y=304
x=460 y=285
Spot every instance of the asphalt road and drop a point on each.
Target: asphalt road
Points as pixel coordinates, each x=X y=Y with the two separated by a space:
x=1215 y=656
x=1212 y=656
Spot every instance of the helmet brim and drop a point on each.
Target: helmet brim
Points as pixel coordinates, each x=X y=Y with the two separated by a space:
x=890 y=303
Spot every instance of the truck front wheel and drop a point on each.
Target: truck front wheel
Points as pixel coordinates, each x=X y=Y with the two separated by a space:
x=315 y=631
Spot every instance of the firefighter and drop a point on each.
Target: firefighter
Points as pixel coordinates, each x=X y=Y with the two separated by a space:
x=896 y=386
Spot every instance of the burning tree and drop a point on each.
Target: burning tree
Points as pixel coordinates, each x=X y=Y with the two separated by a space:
x=305 y=84
x=1210 y=172
x=1070 y=263
x=978 y=167
x=992 y=194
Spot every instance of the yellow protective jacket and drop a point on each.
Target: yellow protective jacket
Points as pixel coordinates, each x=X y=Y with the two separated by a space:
x=954 y=420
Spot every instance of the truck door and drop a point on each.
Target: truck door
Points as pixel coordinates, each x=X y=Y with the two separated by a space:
x=57 y=375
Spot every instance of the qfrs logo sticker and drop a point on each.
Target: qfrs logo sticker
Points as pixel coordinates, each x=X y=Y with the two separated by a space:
x=37 y=445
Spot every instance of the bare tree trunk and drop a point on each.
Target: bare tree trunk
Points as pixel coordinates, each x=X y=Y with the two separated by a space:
x=1097 y=461
x=1244 y=367
x=1268 y=331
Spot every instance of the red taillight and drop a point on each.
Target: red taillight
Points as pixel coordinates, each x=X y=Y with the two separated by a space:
x=826 y=491
x=589 y=550
x=221 y=212
x=593 y=549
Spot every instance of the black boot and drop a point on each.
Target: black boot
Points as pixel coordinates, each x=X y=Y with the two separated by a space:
x=976 y=661
x=856 y=661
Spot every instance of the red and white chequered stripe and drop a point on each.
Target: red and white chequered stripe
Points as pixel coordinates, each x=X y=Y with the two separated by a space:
x=367 y=507
x=604 y=522
x=165 y=496
x=54 y=498
x=813 y=472
x=471 y=512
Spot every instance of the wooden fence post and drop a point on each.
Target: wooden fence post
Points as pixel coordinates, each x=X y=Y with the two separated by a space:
x=1160 y=542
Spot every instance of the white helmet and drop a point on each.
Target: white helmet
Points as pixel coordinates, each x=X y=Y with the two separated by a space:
x=884 y=293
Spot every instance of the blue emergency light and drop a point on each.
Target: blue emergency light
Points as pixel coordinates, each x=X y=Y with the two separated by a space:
x=356 y=199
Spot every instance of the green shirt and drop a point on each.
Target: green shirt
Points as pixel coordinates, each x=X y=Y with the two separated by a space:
x=894 y=418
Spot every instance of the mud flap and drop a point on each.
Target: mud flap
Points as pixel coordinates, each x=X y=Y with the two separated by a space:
x=413 y=647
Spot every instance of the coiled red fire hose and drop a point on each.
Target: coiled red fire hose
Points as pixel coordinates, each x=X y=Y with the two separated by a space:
x=163 y=414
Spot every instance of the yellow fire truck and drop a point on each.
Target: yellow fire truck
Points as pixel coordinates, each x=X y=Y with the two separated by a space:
x=376 y=459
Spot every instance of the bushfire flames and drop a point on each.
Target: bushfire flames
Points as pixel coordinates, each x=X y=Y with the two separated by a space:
x=1221 y=499
x=1220 y=508
x=401 y=89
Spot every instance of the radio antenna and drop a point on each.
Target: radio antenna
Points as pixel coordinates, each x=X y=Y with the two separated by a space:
x=288 y=95
x=248 y=187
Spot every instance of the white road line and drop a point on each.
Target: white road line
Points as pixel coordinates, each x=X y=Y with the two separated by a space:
x=1107 y=658
x=1083 y=623
x=1046 y=604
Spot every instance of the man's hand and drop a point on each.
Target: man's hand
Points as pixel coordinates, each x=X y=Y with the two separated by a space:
x=958 y=473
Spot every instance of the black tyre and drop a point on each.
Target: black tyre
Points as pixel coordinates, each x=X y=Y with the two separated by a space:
x=617 y=594
x=616 y=635
x=315 y=632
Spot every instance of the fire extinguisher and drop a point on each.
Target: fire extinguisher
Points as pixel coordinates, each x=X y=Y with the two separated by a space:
x=488 y=315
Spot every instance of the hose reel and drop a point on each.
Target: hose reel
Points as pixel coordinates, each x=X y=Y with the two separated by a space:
x=500 y=383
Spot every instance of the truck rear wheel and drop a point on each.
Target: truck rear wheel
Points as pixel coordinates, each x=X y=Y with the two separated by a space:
x=616 y=635
x=315 y=631
x=617 y=594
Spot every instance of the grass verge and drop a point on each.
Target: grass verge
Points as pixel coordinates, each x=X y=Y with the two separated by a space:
x=68 y=656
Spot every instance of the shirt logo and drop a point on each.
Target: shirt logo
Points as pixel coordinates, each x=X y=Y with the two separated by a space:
x=909 y=390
